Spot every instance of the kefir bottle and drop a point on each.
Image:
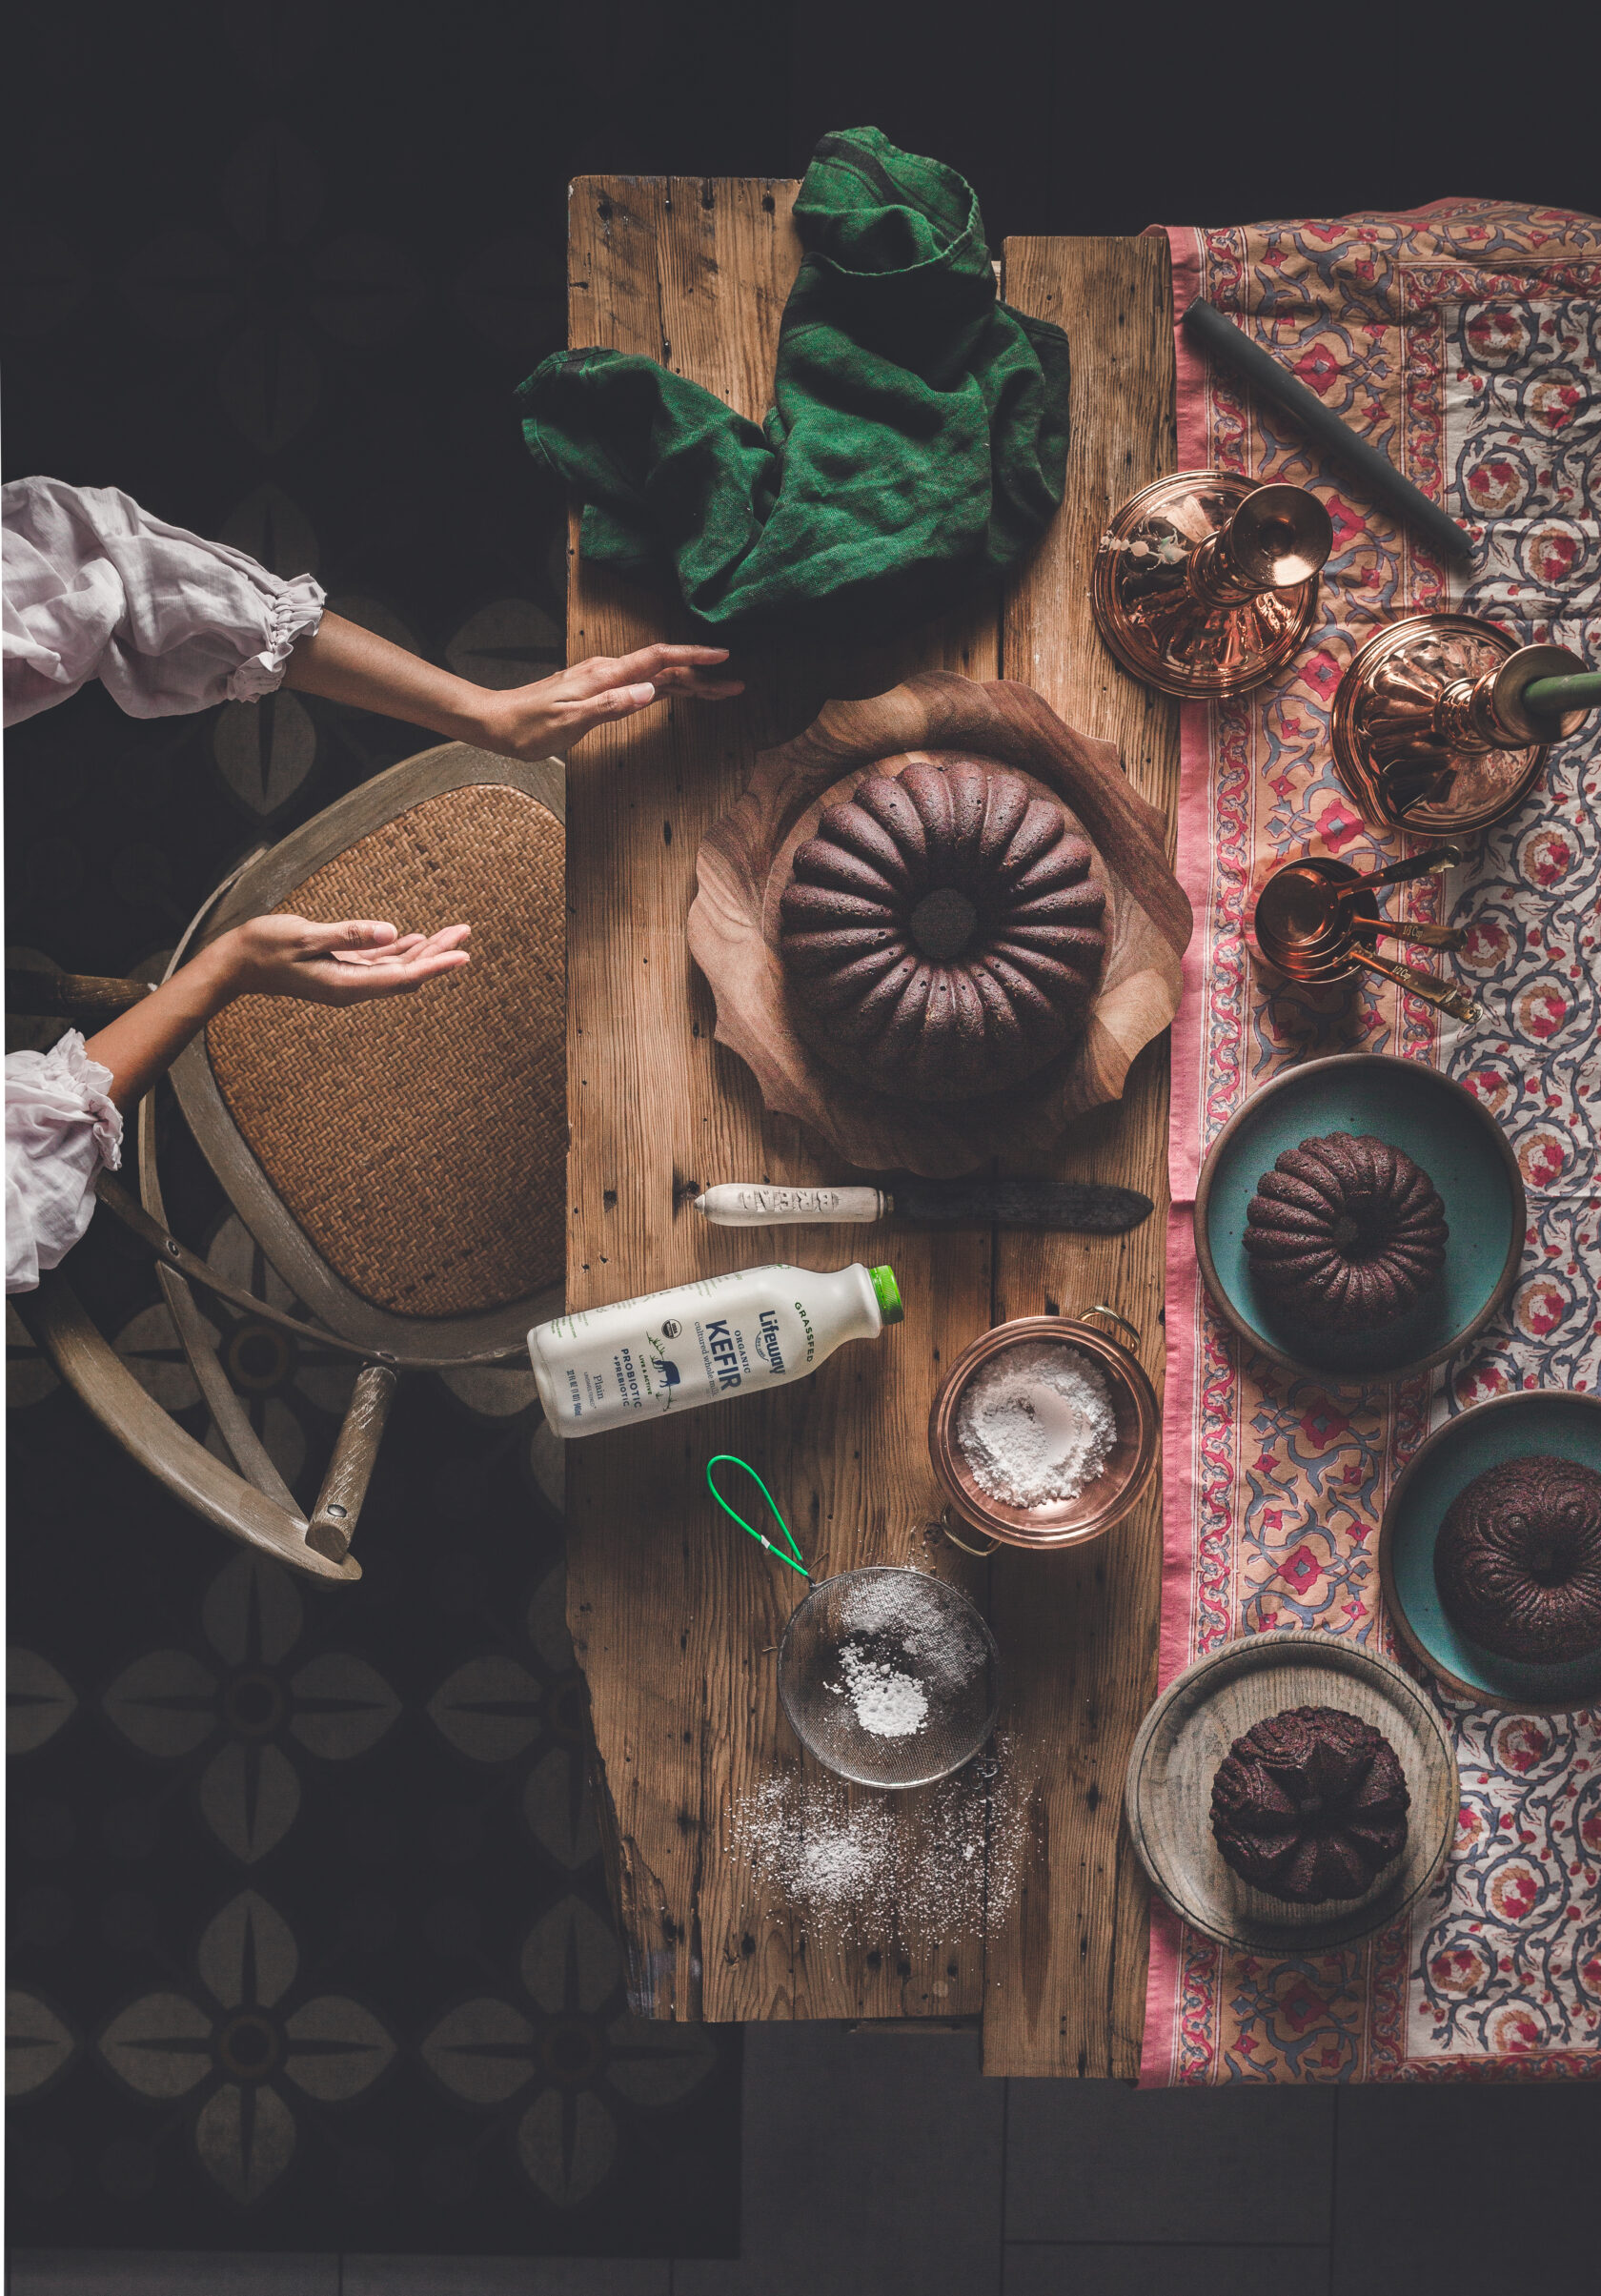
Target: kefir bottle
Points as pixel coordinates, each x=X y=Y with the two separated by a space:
x=729 y=1335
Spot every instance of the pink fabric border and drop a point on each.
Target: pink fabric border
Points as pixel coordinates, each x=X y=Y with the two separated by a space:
x=1180 y=1416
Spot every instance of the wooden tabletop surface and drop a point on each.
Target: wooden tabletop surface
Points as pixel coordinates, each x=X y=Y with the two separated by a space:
x=675 y=1616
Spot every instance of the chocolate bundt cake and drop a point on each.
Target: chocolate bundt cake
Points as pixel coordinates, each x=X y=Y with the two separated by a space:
x=1347 y=1232
x=943 y=932
x=1310 y=1805
x=1518 y=1559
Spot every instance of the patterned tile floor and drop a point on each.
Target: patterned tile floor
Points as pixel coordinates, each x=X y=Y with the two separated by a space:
x=309 y=1942
x=886 y=2166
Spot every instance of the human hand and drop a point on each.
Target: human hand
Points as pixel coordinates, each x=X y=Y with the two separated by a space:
x=529 y=720
x=347 y=963
x=346 y=664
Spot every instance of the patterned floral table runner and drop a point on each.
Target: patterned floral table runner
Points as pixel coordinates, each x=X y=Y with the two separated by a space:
x=1464 y=340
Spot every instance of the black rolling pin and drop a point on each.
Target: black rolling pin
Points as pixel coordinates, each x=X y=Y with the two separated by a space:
x=1231 y=347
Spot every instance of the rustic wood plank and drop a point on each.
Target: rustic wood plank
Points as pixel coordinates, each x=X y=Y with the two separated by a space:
x=674 y=1616
x=1066 y=1973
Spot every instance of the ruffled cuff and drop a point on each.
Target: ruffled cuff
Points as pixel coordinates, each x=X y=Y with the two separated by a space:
x=294 y=613
x=68 y=1068
x=62 y=1131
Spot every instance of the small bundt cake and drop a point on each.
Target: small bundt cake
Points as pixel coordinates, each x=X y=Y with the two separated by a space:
x=943 y=932
x=1310 y=1805
x=1518 y=1559
x=1347 y=1232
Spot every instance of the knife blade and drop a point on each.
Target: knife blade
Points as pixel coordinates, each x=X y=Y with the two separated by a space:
x=1095 y=1207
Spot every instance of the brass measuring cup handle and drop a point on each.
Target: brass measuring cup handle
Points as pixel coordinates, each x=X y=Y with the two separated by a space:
x=941 y=1524
x=1423 y=936
x=1427 y=985
x=1414 y=864
x=1101 y=1308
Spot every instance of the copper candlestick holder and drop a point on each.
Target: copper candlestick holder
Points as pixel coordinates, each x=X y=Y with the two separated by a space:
x=1430 y=728
x=1205 y=583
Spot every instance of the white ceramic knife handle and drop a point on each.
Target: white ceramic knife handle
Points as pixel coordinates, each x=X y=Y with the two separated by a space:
x=743 y=1204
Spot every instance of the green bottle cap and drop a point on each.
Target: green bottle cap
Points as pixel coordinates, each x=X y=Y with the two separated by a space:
x=887 y=1292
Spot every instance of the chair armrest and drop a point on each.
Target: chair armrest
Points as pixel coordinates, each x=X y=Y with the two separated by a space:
x=76 y=996
x=103 y=1383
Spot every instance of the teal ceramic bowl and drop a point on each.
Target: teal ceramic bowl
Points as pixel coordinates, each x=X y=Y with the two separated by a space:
x=1551 y=1420
x=1442 y=1128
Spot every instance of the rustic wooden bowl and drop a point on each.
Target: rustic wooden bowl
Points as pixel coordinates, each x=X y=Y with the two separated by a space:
x=1184 y=1739
x=744 y=862
x=1070 y=1522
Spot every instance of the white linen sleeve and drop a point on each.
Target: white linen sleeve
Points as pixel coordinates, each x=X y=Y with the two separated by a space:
x=61 y=1133
x=96 y=587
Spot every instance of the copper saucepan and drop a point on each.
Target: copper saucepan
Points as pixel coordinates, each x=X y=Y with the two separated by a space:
x=1069 y=1522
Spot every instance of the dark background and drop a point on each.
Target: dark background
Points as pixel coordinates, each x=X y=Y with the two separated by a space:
x=439 y=144
x=450 y=126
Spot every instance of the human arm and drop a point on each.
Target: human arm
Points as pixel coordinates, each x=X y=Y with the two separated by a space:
x=96 y=586
x=64 y=1109
x=345 y=963
x=344 y=663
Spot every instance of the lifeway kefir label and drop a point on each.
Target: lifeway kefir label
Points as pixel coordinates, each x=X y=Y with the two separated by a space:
x=692 y=1344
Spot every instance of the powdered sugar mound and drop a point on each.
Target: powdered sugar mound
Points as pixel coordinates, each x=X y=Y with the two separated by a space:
x=888 y=1702
x=941 y=1865
x=892 y=1610
x=1036 y=1425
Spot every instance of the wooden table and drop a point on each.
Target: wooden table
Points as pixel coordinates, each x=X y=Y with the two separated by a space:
x=675 y=1615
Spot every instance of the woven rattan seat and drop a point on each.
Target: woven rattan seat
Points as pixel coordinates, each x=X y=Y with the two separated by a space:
x=421 y=1144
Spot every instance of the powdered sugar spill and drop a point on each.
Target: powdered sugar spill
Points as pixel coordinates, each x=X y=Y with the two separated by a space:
x=1036 y=1424
x=945 y=1861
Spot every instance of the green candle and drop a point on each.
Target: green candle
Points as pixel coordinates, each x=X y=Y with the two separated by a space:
x=1554 y=696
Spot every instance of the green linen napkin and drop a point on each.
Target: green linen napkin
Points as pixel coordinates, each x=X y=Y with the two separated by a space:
x=917 y=442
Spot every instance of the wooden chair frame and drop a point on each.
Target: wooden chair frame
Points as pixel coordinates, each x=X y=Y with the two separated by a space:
x=250 y=1501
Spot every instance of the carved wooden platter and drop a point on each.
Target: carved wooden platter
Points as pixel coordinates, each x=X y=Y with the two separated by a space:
x=1189 y=1730
x=744 y=862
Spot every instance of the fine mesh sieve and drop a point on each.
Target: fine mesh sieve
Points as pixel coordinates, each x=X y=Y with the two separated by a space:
x=876 y=1641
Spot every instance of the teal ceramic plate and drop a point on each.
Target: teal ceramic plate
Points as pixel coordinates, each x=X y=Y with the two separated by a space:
x=1550 y=1420
x=1442 y=1128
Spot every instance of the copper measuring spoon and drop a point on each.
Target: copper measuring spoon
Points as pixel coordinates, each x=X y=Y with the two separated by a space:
x=1311 y=920
x=1420 y=935
x=1434 y=858
x=1348 y=957
x=1321 y=915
